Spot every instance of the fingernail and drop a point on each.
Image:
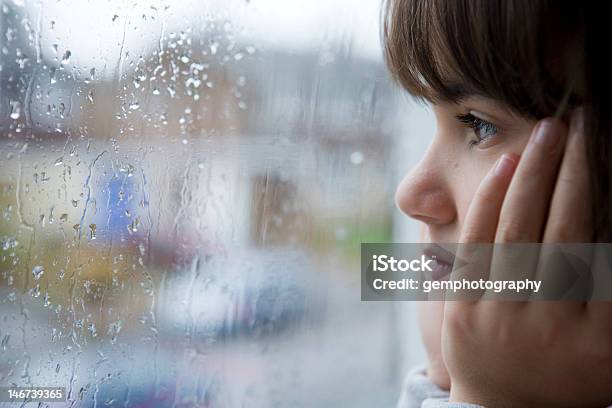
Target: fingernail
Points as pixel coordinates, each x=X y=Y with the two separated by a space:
x=505 y=166
x=546 y=134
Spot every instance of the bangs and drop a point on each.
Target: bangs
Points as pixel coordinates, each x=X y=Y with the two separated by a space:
x=444 y=50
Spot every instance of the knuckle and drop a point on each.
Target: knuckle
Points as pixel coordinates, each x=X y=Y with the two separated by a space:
x=568 y=180
x=532 y=172
x=548 y=335
x=487 y=196
x=471 y=235
x=511 y=231
x=458 y=318
x=561 y=233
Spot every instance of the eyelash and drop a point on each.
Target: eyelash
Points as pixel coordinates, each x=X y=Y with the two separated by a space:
x=478 y=125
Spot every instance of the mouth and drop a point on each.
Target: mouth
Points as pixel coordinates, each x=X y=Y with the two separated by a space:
x=442 y=261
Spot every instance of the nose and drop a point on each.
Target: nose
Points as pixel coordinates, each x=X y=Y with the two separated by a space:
x=425 y=194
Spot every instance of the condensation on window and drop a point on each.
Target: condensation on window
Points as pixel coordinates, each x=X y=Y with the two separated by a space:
x=183 y=189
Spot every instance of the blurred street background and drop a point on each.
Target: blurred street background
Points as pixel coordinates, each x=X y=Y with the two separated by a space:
x=184 y=186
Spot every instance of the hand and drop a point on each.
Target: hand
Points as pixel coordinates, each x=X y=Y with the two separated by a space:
x=430 y=321
x=536 y=354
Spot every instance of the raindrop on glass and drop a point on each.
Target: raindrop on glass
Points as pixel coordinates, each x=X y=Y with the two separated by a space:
x=66 y=57
x=37 y=272
x=15 y=110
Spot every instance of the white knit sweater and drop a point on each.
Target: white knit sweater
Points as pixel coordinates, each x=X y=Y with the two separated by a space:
x=419 y=392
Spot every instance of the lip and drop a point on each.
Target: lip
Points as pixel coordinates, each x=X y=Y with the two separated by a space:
x=439 y=253
x=443 y=261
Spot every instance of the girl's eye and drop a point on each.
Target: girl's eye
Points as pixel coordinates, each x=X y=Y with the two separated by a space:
x=483 y=130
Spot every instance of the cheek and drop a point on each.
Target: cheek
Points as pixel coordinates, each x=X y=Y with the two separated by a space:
x=473 y=169
x=467 y=180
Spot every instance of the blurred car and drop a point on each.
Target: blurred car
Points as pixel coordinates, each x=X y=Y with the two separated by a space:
x=253 y=292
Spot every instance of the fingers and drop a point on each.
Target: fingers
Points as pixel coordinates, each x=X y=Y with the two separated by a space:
x=570 y=218
x=525 y=209
x=481 y=220
x=524 y=212
x=480 y=223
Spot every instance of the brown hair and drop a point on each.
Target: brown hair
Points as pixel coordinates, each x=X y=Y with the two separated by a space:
x=525 y=53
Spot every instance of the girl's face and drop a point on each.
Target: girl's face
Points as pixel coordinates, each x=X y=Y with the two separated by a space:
x=470 y=136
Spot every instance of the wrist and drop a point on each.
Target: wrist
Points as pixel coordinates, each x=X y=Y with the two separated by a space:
x=459 y=394
x=438 y=375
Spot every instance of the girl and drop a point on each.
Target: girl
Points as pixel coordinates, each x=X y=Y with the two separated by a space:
x=521 y=94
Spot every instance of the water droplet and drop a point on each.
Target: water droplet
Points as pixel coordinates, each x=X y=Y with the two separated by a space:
x=213 y=47
x=92 y=73
x=115 y=17
x=193 y=81
x=134 y=106
x=59 y=161
x=64 y=217
x=5 y=340
x=15 y=110
x=133 y=226
x=75 y=203
x=92 y=231
x=37 y=272
x=66 y=57
x=6 y=244
x=35 y=291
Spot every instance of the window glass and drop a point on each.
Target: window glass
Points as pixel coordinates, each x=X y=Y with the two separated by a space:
x=183 y=189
